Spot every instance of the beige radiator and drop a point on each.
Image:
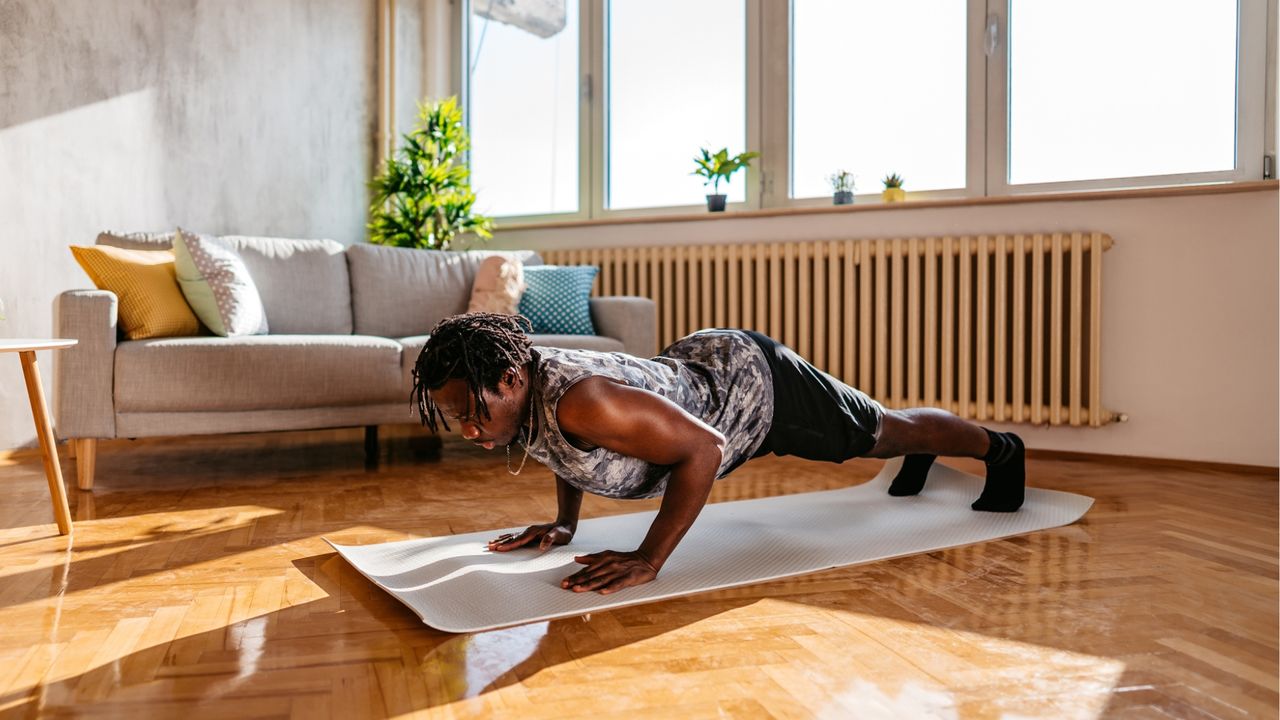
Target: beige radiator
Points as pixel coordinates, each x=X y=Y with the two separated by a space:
x=991 y=327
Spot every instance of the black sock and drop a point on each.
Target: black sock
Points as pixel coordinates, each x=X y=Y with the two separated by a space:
x=910 y=479
x=1006 y=474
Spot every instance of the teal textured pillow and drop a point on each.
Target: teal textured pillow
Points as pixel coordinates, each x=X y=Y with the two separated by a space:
x=556 y=299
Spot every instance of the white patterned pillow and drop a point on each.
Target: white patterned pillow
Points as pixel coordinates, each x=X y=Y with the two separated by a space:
x=217 y=285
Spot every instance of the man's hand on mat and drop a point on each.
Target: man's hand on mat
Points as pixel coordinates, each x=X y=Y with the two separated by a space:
x=609 y=571
x=546 y=535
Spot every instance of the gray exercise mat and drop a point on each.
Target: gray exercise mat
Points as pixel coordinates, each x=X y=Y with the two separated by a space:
x=454 y=584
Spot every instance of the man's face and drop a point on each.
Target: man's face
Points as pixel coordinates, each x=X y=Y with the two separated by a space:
x=505 y=409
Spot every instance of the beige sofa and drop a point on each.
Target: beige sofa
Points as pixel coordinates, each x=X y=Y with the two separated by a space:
x=347 y=325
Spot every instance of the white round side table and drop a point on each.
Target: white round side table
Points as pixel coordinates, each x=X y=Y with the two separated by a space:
x=26 y=349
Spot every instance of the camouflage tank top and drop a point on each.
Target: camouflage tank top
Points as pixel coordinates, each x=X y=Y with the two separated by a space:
x=718 y=376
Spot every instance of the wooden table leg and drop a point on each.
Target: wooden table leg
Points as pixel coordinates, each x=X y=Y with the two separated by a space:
x=48 y=446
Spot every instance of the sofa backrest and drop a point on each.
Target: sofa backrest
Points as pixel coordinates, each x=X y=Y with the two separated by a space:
x=401 y=292
x=320 y=287
x=137 y=240
x=304 y=284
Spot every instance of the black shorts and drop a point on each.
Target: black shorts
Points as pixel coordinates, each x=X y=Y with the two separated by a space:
x=815 y=416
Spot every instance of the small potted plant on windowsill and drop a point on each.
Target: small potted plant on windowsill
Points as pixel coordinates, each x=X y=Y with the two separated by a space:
x=719 y=167
x=893 y=191
x=842 y=187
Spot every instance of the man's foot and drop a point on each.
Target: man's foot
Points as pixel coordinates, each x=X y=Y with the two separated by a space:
x=1006 y=474
x=911 y=477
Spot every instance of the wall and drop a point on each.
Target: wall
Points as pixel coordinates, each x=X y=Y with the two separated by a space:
x=1190 y=322
x=224 y=116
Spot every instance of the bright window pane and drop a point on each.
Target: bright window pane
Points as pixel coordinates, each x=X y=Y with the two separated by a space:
x=878 y=88
x=1120 y=88
x=524 y=107
x=677 y=82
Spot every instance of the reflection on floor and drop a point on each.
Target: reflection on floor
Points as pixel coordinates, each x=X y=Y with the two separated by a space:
x=197 y=584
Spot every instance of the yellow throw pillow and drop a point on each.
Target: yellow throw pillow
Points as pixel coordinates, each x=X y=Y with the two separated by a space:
x=151 y=303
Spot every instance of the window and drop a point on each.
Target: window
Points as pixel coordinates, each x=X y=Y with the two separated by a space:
x=676 y=81
x=1120 y=88
x=877 y=88
x=523 y=107
x=596 y=108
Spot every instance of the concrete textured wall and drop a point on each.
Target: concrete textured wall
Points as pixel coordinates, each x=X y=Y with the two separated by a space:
x=1190 y=324
x=224 y=116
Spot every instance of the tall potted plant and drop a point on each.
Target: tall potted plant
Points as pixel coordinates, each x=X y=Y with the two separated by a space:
x=423 y=198
x=717 y=167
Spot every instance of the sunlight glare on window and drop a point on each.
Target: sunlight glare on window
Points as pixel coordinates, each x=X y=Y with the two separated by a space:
x=878 y=88
x=524 y=107
x=676 y=82
x=1120 y=88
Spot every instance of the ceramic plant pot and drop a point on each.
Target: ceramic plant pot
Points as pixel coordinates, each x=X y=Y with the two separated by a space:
x=843 y=197
x=894 y=194
x=715 y=203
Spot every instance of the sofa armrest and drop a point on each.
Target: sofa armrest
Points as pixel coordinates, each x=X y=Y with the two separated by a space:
x=633 y=320
x=83 y=401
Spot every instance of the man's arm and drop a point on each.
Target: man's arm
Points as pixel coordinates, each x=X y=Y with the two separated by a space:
x=647 y=426
x=569 y=499
x=558 y=532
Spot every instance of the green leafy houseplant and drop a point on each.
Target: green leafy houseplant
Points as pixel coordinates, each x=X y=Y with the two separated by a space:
x=841 y=181
x=423 y=198
x=841 y=187
x=719 y=167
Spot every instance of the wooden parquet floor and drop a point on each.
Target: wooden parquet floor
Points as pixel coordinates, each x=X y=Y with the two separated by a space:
x=197 y=585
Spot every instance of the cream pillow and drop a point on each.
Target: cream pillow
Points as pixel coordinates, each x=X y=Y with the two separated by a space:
x=498 y=286
x=217 y=285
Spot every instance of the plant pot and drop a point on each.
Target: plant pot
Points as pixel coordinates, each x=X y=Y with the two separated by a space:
x=895 y=194
x=843 y=197
x=715 y=203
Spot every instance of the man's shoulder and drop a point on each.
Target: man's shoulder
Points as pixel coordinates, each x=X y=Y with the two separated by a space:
x=586 y=402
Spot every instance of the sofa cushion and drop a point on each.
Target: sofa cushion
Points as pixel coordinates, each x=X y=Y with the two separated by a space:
x=498 y=285
x=303 y=284
x=399 y=292
x=413 y=348
x=256 y=372
x=557 y=300
x=151 y=303
x=218 y=286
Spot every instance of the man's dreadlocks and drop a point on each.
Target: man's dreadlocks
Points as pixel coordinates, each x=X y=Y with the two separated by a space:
x=478 y=347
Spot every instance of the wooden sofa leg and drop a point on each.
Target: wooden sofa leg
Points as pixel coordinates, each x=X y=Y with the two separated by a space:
x=370 y=444
x=86 y=454
x=426 y=446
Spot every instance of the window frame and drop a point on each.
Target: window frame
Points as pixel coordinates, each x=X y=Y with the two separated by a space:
x=768 y=113
x=462 y=81
x=1250 y=110
x=975 y=121
x=600 y=125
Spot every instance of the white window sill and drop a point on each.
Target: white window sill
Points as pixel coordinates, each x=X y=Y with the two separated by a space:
x=1076 y=196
